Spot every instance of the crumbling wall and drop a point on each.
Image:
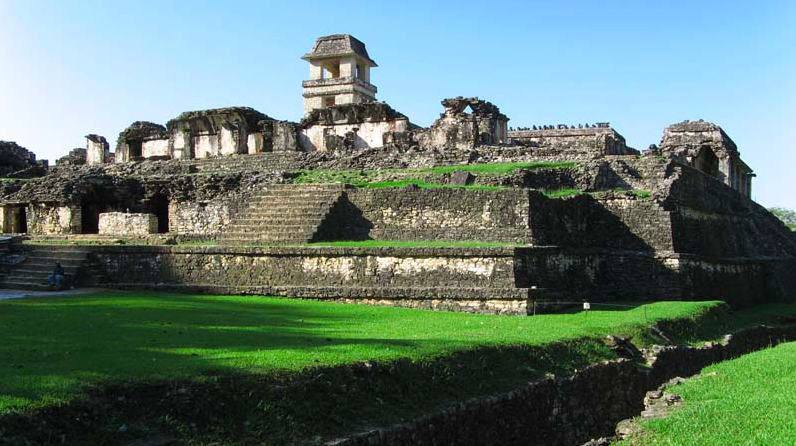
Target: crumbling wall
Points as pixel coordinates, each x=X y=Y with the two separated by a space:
x=706 y=147
x=207 y=218
x=486 y=125
x=412 y=213
x=97 y=150
x=215 y=132
x=617 y=220
x=568 y=141
x=13 y=158
x=350 y=127
x=127 y=224
x=75 y=157
x=50 y=218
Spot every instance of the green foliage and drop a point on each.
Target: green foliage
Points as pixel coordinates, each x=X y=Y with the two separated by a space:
x=787 y=216
x=500 y=168
x=748 y=400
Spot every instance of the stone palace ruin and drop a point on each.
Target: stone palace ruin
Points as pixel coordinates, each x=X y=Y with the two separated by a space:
x=229 y=200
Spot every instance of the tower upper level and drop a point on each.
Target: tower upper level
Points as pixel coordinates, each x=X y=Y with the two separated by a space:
x=339 y=73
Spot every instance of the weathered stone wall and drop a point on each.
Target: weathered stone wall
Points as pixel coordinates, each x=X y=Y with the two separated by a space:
x=411 y=213
x=593 y=274
x=14 y=157
x=124 y=224
x=202 y=218
x=155 y=147
x=312 y=272
x=616 y=221
x=597 y=141
x=713 y=219
x=97 y=150
x=47 y=219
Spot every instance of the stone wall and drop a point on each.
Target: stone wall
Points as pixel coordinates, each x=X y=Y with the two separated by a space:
x=47 y=219
x=124 y=224
x=350 y=127
x=616 y=220
x=412 y=213
x=597 y=141
x=14 y=157
x=97 y=150
x=201 y=218
x=475 y=279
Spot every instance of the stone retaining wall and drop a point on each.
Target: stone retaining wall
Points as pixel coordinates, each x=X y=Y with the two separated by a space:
x=569 y=410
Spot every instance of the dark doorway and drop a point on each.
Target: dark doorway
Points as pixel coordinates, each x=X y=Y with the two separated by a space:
x=90 y=208
x=20 y=222
x=159 y=205
x=134 y=149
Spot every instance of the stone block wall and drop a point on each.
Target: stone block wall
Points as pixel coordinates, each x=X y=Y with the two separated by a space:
x=124 y=224
x=618 y=221
x=243 y=267
x=429 y=214
x=50 y=219
x=201 y=218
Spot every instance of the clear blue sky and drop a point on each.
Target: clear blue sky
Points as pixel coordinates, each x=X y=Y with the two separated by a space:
x=72 y=68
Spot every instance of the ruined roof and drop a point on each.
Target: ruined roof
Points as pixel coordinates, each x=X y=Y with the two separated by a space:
x=338 y=45
x=697 y=127
x=212 y=119
x=352 y=114
x=142 y=130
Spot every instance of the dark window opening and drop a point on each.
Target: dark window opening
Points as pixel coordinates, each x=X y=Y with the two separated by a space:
x=707 y=162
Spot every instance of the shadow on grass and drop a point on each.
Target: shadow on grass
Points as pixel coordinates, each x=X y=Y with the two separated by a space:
x=51 y=346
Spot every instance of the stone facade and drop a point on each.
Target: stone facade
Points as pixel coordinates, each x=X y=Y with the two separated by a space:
x=120 y=223
x=345 y=128
x=707 y=148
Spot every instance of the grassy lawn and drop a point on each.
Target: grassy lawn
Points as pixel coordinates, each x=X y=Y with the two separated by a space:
x=748 y=401
x=234 y=370
x=51 y=347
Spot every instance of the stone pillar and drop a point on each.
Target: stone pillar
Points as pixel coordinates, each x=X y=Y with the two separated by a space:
x=97 y=149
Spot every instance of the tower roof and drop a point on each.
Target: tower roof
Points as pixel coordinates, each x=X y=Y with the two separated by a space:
x=338 y=45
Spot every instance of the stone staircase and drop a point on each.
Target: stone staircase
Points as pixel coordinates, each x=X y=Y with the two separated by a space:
x=38 y=262
x=283 y=214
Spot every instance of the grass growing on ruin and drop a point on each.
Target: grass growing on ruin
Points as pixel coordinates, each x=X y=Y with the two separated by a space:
x=362 y=177
x=749 y=400
x=500 y=168
x=426 y=185
x=413 y=244
x=52 y=347
x=561 y=193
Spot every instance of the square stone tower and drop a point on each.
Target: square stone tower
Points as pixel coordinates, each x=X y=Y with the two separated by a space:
x=339 y=73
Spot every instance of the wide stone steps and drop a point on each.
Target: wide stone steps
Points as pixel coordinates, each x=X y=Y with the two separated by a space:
x=283 y=214
x=39 y=261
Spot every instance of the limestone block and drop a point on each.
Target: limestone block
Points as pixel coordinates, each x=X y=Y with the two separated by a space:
x=120 y=223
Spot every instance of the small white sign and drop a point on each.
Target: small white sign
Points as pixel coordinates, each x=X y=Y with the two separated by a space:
x=586 y=306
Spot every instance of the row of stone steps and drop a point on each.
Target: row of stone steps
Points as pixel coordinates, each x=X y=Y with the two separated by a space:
x=283 y=214
x=38 y=261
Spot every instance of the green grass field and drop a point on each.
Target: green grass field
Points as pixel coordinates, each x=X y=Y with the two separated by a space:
x=51 y=347
x=412 y=244
x=749 y=401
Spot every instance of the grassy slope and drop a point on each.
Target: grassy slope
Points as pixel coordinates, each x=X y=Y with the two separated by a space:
x=51 y=346
x=748 y=401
